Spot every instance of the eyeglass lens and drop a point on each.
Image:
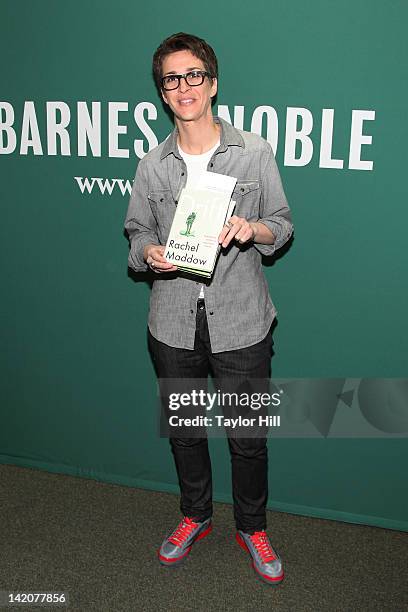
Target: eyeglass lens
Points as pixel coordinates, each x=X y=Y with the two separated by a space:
x=192 y=78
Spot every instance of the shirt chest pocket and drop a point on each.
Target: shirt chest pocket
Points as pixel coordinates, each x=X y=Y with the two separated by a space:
x=247 y=195
x=163 y=208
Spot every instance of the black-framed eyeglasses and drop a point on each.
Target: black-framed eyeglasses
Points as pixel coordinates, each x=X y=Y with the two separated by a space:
x=193 y=79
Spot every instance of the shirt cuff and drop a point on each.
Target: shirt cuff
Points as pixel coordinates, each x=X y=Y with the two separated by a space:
x=136 y=260
x=281 y=229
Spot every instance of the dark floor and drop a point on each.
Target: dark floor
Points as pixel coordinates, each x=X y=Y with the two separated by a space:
x=98 y=542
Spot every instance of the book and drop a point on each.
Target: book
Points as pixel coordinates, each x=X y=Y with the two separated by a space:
x=201 y=213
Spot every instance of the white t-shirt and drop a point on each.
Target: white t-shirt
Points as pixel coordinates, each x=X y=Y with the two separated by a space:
x=196 y=165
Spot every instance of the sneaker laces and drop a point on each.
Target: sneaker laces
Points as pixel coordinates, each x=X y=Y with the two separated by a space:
x=182 y=531
x=263 y=546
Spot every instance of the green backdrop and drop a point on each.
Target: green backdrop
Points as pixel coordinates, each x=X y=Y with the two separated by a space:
x=79 y=392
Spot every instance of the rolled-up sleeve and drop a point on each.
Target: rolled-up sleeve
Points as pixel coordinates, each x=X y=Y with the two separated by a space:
x=273 y=208
x=140 y=223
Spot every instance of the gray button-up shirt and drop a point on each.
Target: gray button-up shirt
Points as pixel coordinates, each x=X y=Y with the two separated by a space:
x=239 y=308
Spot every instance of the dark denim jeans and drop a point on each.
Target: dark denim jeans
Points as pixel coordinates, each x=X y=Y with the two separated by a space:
x=249 y=456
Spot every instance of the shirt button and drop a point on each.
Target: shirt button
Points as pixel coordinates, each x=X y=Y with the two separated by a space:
x=191 y=311
x=182 y=174
x=176 y=202
x=211 y=165
x=211 y=312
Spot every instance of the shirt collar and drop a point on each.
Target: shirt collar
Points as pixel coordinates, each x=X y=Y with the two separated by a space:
x=229 y=137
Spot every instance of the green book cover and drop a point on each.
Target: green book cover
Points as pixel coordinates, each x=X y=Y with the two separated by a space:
x=192 y=244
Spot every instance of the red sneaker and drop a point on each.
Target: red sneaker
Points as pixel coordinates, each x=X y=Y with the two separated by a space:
x=265 y=560
x=179 y=543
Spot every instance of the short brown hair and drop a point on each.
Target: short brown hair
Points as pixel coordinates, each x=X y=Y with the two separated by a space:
x=180 y=42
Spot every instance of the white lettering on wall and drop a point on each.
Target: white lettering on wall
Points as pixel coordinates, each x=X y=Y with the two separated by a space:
x=299 y=144
x=326 y=141
x=30 y=134
x=58 y=128
x=239 y=111
x=114 y=108
x=294 y=135
x=357 y=138
x=145 y=127
x=271 y=124
x=89 y=128
x=6 y=124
